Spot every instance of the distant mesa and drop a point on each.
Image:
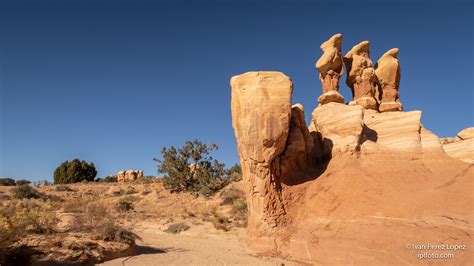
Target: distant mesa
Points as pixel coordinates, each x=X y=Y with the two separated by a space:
x=358 y=167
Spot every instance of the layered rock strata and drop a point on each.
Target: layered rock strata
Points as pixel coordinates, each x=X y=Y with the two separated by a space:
x=461 y=146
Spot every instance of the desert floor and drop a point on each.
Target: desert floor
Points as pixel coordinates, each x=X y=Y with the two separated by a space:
x=201 y=244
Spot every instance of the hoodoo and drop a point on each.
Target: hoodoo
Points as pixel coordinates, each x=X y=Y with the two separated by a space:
x=359 y=184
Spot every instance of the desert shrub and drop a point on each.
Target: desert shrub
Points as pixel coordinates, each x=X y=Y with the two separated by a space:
x=145 y=180
x=75 y=206
x=220 y=222
x=130 y=190
x=112 y=232
x=234 y=173
x=74 y=171
x=177 y=228
x=22 y=182
x=26 y=192
x=118 y=192
x=239 y=206
x=3 y=196
x=63 y=188
x=7 y=182
x=110 y=179
x=20 y=217
x=191 y=168
x=98 y=220
x=96 y=213
x=124 y=205
x=230 y=195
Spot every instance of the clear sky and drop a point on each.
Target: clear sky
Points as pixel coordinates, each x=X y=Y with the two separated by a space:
x=114 y=81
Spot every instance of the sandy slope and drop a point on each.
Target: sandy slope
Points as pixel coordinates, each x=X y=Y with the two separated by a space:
x=367 y=211
x=202 y=245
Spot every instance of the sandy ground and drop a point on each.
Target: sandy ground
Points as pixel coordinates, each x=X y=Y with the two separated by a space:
x=200 y=245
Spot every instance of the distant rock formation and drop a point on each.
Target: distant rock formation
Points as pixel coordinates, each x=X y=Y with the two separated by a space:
x=461 y=146
x=361 y=75
x=331 y=68
x=387 y=71
x=129 y=175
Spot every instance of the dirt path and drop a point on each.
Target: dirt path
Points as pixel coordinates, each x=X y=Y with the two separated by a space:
x=201 y=244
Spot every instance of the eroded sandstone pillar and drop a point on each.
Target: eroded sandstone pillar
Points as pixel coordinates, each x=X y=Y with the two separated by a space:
x=330 y=67
x=387 y=71
x=261 y=113
x=361 y=76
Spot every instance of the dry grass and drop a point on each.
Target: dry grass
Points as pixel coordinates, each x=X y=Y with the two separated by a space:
x=230 y=195
x=20 y=217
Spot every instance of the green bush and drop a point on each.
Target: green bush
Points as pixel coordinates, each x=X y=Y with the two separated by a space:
x=235 y=173
x=191 y=168
x=124 y=205
x=26 y=192
x=7 y=182
x=22 y=182
x=74 y=171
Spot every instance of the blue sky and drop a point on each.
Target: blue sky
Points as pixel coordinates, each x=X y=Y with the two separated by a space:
x=114 y=81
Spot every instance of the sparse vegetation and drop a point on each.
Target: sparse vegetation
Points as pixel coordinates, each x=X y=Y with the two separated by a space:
x=112 y=232
x=177 y=228
x=74 y=171
x=124 y=205
x=19 y=217
x=26 y=192
x=191 y=168
x=7 y=182
x=239 y=212
x=109 y=179
x=228 y=196
x=22 y=182
x=63 y=188
x=221 y=222
x=145 y=180
x=235 y=173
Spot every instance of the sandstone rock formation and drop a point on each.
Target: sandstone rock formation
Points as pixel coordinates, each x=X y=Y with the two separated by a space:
x=302 y=151
x=429 y=141
x=387 y=71
x=467 y=133
x=261 y=114
x=398 y=131
x=461 y=146
x=361 y=75
x=331 y=68
x=340 y=127
x=275 y=147
x=311 y=191
x=129 y=175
